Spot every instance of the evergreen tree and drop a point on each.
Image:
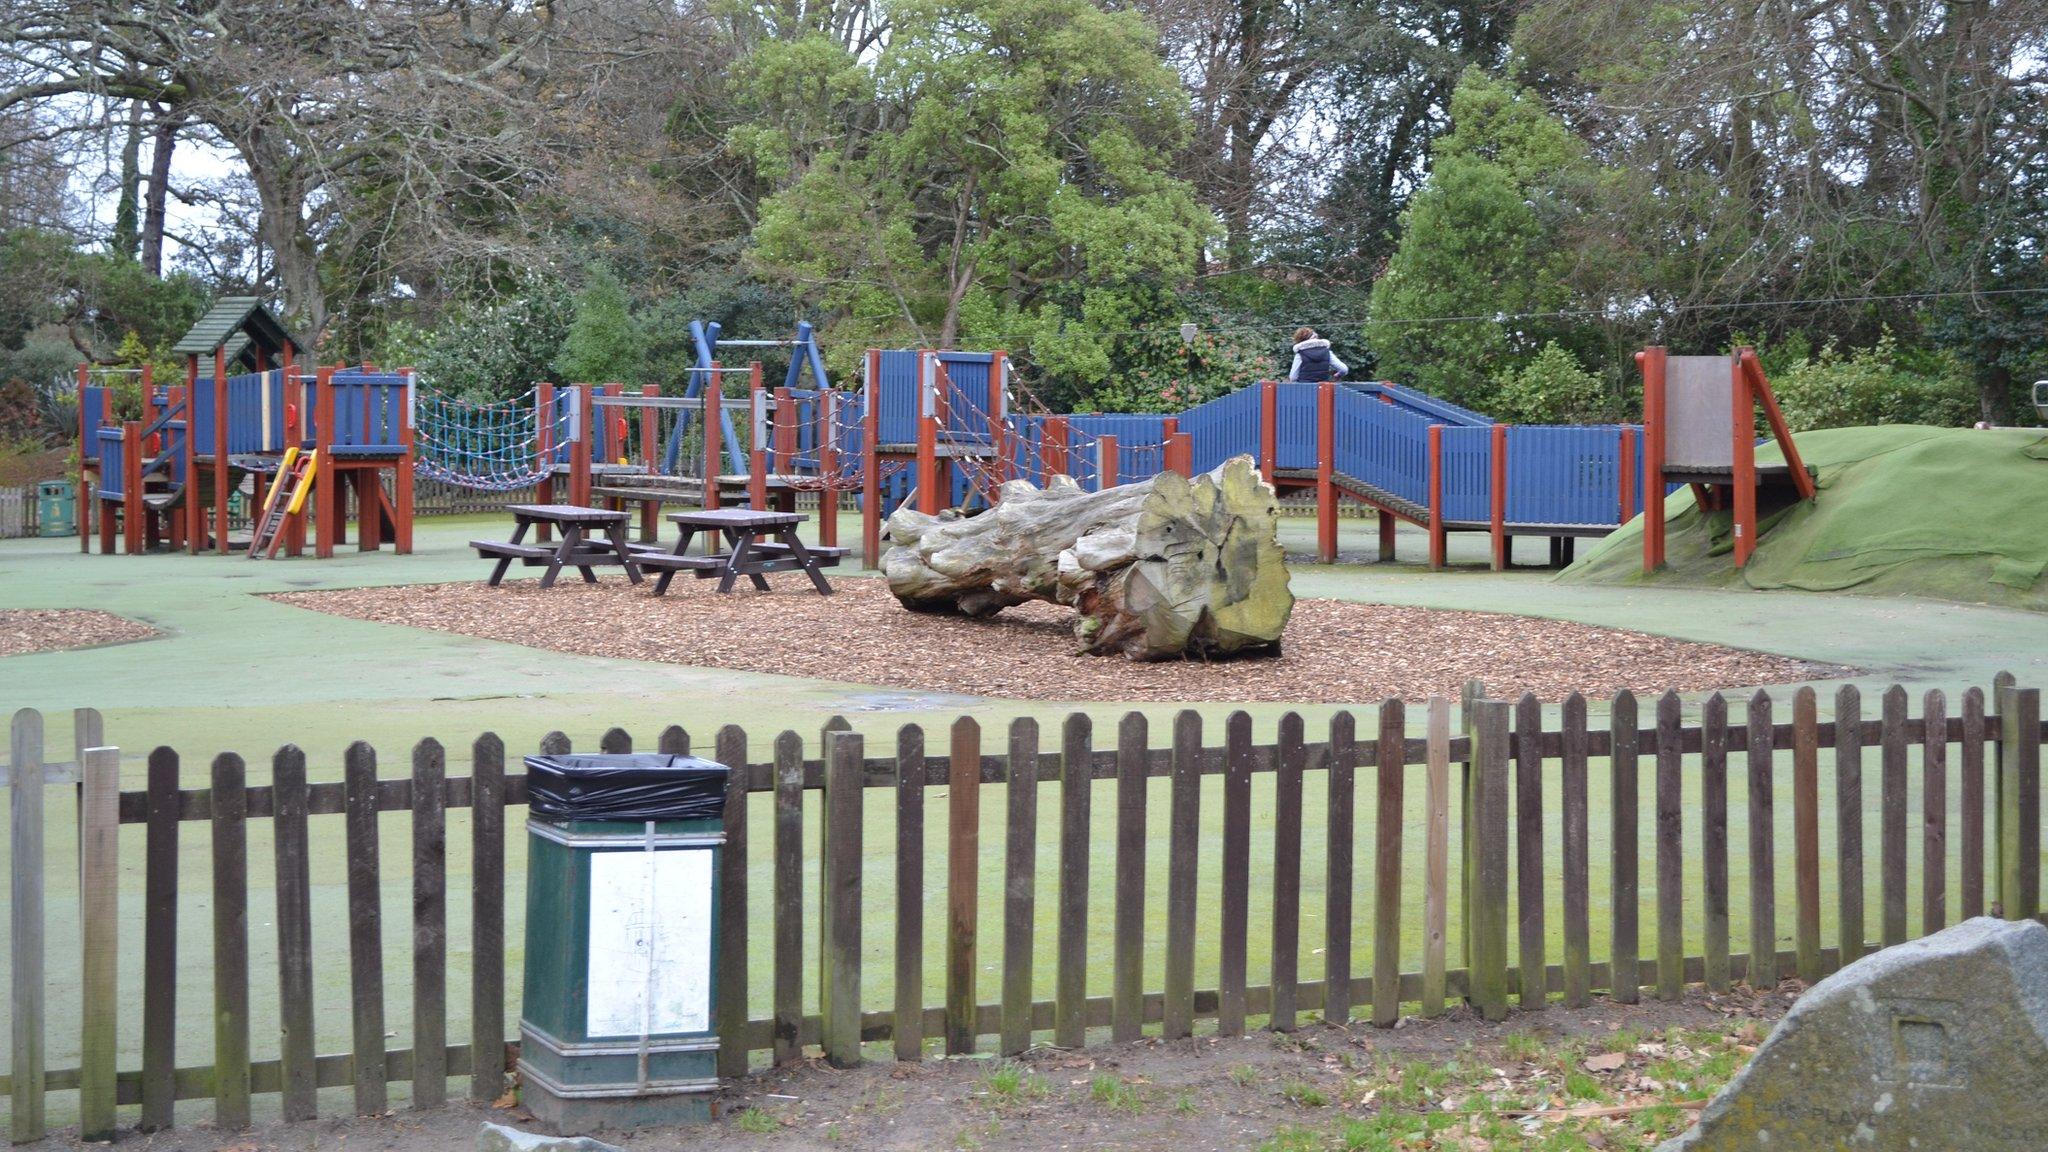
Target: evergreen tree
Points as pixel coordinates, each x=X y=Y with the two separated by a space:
x=604 y=345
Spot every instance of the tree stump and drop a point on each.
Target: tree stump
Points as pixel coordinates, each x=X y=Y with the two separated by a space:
x=1165 y=568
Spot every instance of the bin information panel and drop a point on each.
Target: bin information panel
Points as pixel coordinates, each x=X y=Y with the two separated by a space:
x=650 y=942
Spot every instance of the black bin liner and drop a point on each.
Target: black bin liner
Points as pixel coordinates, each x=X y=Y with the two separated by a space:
x=626 y=786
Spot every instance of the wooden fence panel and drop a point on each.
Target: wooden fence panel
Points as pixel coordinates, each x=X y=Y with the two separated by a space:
x=1020 y=884
x=1487 y=903
x=1763 y=867
x=99 y=896
x=1849 y=824
x=910 y=786
x=1529 y=851
x=365 y=927
x=160 y=940
x=1971 y=768
x=1578 y=966
x=231 y=1087
x=1340 y=821
x=1892 y=822
x=1389 y=817
x=1623 y=799
x=1127 y=999
x=1235 y=895
x=1714 y=837
x=839 y=894
x=1183 y=837
x=1288 y=758
x=297 y=1052
x=429 y=925
x=788 y=995
x=25 y=916
x=487 y=918
x=729 y=747
x=963 y=885
x=1670 y=849
x=1934 y=813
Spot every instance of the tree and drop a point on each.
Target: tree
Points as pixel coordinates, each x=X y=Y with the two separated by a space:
x=1482 y=261
x=999 y=169
x=603 y=345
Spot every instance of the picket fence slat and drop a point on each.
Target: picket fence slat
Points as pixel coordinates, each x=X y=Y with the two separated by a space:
x=909 y=984
x=1529 y=846
x=365 y=929
x=1763 y=864
x=1934 y=816
x=487 y=915
x=1623 y=800
x=1436 y=858
x=1388 y=810
x=1972 y=799
x=1020 y=885
x=1340 y=820
x=160 y=940
x=839 y=897
x=99 y=844
x=1184 y=807
x=1070 y=1025
x=788 y=885
x=730 y=747
x=1286 y=935
x=1849 y=824
x=963 y=880
x=1714 y=836
x=1670 y=762
x=26 y=938
x=430 y=925
x=1806 y=832
x=1128 y=945
x=294 y=937
x=1236 y=870
x=1892 y=805
x=1577 y=972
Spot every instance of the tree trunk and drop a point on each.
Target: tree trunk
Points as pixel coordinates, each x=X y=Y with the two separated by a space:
x=1166 y=568
x=163 y=140
x=125 y=208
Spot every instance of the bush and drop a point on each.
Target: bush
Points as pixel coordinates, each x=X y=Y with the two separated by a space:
x=1874 y=386
x=1553 y=389
x=499 y=350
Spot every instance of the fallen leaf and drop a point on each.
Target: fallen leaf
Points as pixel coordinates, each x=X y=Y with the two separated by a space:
x=1605 y=1062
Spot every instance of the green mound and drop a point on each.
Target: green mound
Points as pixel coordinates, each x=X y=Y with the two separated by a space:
x=1948 y=513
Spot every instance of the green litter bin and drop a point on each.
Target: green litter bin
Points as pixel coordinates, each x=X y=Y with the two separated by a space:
x=56 y=508
x=616 y=1021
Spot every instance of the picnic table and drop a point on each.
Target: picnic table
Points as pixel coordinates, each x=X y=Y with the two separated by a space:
x=761 y=542
x=578 y=549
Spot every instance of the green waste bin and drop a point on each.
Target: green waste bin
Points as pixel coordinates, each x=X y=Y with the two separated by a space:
x=618 y=1010
x=56 y=508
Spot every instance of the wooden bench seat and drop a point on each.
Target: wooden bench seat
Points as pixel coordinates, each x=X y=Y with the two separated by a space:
x=516 y=551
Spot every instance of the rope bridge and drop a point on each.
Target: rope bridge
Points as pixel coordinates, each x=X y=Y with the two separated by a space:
x=494 y=447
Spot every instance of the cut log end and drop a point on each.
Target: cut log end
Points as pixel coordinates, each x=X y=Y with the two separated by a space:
x=1166 y=568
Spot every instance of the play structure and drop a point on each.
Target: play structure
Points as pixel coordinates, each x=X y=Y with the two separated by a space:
x=1699 y=420
x=931 y=429
x=246 y=423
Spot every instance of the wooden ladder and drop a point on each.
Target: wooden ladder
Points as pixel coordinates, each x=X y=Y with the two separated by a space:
x=287 y=498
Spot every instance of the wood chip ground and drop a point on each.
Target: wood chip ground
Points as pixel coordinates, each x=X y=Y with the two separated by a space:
x=1334 y=651
x=24 y=630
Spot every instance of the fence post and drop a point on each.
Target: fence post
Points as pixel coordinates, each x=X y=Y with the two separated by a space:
x=963 y=868
x=2019 y=801
x=98 y=898
x=929 y=499
x=1486 y=908
x=1439 y=537
x=839 y=889
x=871 y=462
x=1497 y=514
x=1269 y=427
x=1107 y=465
x=1326 y=472
x=25 y=759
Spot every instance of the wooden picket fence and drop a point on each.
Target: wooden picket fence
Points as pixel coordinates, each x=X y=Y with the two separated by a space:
x=1489 y=773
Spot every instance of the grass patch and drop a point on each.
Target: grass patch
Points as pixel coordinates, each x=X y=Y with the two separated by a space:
x=1115 y=1093
x=1011 y=1084
x=756 y=1121
x=1305 y=1094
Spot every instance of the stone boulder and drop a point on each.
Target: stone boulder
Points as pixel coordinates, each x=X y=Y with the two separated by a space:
x=498 y=1138
x=1937 y=1044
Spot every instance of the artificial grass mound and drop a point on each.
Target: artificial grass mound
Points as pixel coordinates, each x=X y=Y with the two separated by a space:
x=1948 y=513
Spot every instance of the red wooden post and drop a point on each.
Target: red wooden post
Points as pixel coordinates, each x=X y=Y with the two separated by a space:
x=1326 y=472
x=401 y=479
x=220 y=450
x=326 y=478
x=544 y=454
x=714 y=428
x=871 y=463
x=1269 y=427
x=650 y=454
x=1743 y=429
x=998 y=425
x=1628 y=474
x=827 y=409
x=929 y=498
x=131 y=487
x=1053 y=447
x=1761 y=389
x=581 y=448
x=1438 y=535
x=1106 y=463
x=1652 y=361
x=1499 y=510
x=783 y=425
x=1180 y=454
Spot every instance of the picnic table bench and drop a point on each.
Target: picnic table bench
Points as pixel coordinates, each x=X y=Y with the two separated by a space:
x=761 y=542
x=576 y=549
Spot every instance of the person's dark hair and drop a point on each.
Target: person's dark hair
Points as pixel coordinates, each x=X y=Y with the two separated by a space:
x=1304 y=333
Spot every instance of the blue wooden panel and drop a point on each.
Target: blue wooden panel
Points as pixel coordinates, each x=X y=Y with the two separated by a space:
x=897 y=390
x=1383 y=445
x=1224 y=427
x=112 y=455
x=1468 y=473
x=1564 y=475
x=1423 y=404
x=370 y=414
x=1294 y=444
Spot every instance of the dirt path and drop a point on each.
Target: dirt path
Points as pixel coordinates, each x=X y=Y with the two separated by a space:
x=1333 y=650
x=1429 y=1084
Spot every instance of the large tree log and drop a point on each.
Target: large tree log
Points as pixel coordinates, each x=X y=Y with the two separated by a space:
x=1165 y=568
